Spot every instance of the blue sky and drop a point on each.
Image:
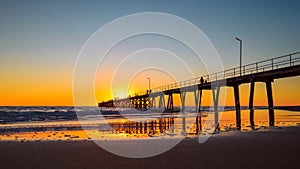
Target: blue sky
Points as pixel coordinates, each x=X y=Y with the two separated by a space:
x=36 y=30
x=41 y=39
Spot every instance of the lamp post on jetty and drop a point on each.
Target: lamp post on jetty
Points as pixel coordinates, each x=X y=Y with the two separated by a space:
x=241 y=43
x=148 y=84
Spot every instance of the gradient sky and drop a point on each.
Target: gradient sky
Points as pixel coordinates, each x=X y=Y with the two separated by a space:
x=40 y=41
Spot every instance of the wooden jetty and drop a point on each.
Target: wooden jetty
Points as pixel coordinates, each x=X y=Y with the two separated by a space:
x=265 y=71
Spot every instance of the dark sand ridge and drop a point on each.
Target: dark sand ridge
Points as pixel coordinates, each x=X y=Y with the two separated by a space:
x=276 y=148
x=291 y=108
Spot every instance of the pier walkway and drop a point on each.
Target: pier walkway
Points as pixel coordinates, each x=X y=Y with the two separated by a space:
x=265 y=71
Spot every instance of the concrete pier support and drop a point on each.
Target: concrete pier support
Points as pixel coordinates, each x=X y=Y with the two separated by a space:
x=216 y=105
x=237 y=106
x=161 y=103
x=270 y=102
x=199 y=110
x=198 y=98
x=252 y=85
x=170 y=104
x=182 y=98
x=152 y=102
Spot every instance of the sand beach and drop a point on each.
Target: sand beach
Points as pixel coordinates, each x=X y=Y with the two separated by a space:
x=272 y=148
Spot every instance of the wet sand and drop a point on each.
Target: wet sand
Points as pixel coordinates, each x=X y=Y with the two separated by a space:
x=276 y=148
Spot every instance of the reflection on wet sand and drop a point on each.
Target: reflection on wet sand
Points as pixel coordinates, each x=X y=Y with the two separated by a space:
x=170 y=126
x=179 y=125
x=151 y=128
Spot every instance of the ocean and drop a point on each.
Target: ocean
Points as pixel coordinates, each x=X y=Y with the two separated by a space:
x=38 y=123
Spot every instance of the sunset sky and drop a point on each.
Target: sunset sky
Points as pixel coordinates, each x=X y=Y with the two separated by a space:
x=40 y=41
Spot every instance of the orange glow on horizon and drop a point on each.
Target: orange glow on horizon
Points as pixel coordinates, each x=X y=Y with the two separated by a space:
x=57 y=91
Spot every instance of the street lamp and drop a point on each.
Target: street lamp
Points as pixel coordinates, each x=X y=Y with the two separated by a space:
x=241 y=43
x=149 y=83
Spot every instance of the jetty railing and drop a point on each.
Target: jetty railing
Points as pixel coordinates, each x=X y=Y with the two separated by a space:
x=288 y=60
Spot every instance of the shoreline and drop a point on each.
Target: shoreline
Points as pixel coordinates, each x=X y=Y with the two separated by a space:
x=82 y=135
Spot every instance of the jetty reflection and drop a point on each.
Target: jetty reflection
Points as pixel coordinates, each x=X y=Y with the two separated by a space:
x=167 y=126
x=154 y=127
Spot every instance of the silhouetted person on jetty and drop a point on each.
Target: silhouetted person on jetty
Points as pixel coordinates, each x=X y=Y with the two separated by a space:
x=201 y=80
